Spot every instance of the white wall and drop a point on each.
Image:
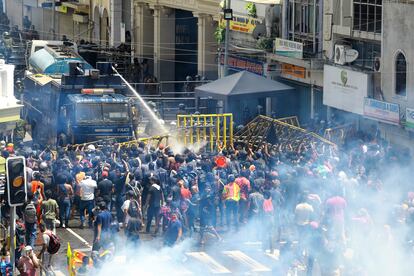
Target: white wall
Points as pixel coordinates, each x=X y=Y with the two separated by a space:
x=397 y=26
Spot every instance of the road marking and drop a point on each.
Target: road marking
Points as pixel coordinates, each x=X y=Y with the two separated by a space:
x=58 y=273
x=212 y=264
x=178 y=270
x=255 y=243
x=243 y=258
x=275 y=255
x=79 y=237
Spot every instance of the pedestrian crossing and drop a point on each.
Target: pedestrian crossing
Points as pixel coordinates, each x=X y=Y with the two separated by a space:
x=254 y=265
x=248 y=259
x=212 y=265
x=231 y=262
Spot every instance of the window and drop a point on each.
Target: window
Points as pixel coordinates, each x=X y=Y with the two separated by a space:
x=400 y=75
x=367 y=52
x=367 y=15
x=115 y=112
x=303 y=23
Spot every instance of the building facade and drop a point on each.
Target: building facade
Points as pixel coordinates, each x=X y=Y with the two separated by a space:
x=9 y=108
x=175 y=38
x=352 y=35
x=397 y=70
x=296 y=58
x=70 y=18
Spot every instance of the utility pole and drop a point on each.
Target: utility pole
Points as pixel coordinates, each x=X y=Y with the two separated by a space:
x=53 y=19
x=228 y=15
x=22 y=14
x=12 y=237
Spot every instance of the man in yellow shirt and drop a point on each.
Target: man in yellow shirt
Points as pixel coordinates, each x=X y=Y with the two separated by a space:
x=231 y=195
x=2 y=165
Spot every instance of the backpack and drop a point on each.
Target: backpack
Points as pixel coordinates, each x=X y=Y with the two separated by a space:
x=135 y=186
x=133 y=210
x=30 y=213
x=54 y=243
x=20 y=233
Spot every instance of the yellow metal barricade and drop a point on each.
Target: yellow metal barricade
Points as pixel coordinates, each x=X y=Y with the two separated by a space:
x=208 y=130
x=293 y=120
x=155 y=140
x=340 y=133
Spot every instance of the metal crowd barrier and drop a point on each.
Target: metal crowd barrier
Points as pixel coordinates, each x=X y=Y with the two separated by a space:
x=213 y=130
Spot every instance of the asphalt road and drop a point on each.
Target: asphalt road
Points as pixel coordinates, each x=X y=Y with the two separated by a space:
x=234 y=255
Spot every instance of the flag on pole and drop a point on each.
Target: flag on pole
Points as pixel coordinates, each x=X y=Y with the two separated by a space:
x=69 y=256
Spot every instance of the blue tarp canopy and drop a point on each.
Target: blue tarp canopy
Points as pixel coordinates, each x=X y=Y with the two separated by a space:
x=241 y=84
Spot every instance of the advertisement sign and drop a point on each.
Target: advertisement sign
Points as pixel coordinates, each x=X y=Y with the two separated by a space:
x=409 y=115
x=241 y=64
x=293 y=71
x=345 y=89
x=382 y=111
x=288 y=48
x=242 y=24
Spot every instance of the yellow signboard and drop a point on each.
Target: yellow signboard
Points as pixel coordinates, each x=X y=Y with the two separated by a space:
x=242 y=24
x=62 y=9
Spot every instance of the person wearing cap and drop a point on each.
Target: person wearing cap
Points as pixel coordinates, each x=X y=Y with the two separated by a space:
x=231 y=196
x=10 y=148
x=28 y=262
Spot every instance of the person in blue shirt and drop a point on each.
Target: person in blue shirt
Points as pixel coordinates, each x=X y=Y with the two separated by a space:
x=102 y=229
x=174 y=231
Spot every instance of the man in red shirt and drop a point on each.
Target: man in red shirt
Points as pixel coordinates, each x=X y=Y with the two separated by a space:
x=28 y=262
x=245 y=189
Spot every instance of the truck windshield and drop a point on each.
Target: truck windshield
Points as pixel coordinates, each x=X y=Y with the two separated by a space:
x=98 y=113
x=115 y=112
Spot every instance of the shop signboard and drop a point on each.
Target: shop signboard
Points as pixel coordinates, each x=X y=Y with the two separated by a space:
x=345 y=89
x=291 y=70
x=241 y=64
x=283 y=47
x=242 y=24
x=382 y=111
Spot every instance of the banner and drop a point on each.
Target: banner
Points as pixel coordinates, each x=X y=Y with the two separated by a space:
x=288 y=48
x=242 y=24
x=382 y=111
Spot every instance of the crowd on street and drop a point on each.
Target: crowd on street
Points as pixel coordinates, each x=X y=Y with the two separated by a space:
x=312 y=205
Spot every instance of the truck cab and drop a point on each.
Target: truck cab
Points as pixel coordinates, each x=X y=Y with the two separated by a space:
x=90 y=117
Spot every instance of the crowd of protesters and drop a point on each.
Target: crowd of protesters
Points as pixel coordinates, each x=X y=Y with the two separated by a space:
x=308 y=202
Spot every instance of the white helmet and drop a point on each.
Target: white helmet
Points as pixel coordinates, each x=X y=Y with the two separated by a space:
x=43 y=165
x=91 y=147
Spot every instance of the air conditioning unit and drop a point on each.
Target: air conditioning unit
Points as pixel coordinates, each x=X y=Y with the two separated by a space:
x=344 y=54
x=340 y=52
